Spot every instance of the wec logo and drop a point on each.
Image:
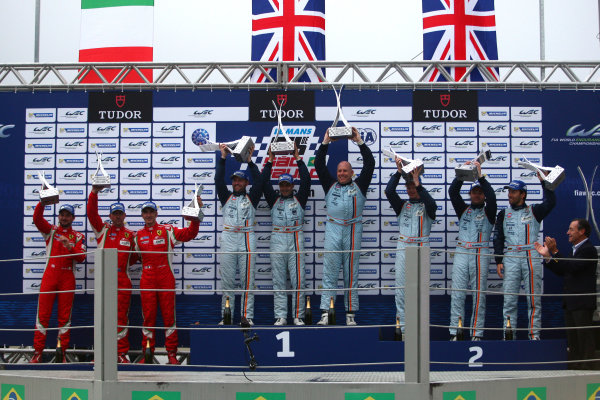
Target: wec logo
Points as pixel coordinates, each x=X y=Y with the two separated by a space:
x=575 y=131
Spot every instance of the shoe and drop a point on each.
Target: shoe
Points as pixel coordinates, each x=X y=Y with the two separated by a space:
x=37 y=358
x=250 y=322
x=453 y=338
x=324 y=319
x=122 y=359
x=298 y=321
x=476 y=339
x=173 y=358
x=350 y=320
x=222 y=322
x=535 y=338
x=281 y=321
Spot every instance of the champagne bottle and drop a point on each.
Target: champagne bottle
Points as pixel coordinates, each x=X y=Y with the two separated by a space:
x=508 y=332
x=398 y=331
x=459 y=332
x=148 y=356
x=59 y=353
x=331 y=312
x=227 y=312
x=308 y=312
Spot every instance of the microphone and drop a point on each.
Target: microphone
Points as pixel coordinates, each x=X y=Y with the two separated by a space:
x=252 y=364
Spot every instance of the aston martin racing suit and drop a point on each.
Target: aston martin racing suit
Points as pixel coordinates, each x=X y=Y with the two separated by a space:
x=414 y=222
x=470 y=270
x=239 y=210
x=58 y=276
x=157 y=273
x=518 y=229
x=287 y=216
x=109 y=237
x=343 y=231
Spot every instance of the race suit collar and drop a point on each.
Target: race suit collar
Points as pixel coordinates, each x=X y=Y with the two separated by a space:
x=240 y=193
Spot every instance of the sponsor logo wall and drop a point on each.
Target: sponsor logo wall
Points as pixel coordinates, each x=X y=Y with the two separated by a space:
x=148 y=151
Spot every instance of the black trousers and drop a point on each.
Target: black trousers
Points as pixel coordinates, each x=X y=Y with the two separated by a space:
x=580 y=342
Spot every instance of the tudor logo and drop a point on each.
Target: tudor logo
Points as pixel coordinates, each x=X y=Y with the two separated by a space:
x=281 y=99
x=120 y=100
x=445 y=99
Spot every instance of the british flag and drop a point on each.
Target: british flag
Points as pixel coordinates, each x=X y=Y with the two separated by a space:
x=459 y=30
x=288 y=30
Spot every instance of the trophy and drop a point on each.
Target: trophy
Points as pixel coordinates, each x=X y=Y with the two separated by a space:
x=339 y=132
x=408 y=165
x=100 y=179
x=239 y=148
x=552 y=176
x=48 y=194
x=281 y=147
x=193 y=212
x=468 y=172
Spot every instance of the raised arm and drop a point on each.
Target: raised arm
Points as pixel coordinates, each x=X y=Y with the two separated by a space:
x=541 y=211
x=223 y=192
x=305 y=182
x=458 y=202
x=256 y=190
x=392 y=195
x=92 y=212
x=187 y=234
x=430 y=206
x=38 y=219
x=491 y=206
x=268 y=191
x=321 y=166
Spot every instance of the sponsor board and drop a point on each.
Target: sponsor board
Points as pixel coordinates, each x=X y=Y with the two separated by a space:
x=40 y=131
x=366 y=113
x=461 y=129
x=494 y=113
x=526 y=113
x=134 y=161
x=494 y=129
x=135 y=130
x=104 y=130
x=40 y=115
x=40 y=146
x=396 y=129
x=169 y=129
x=200 y=114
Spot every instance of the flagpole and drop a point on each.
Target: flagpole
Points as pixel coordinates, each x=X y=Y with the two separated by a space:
x=36 y=45
x=542 y=38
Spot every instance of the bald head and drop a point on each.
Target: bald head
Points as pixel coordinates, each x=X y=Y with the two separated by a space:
x=344 y=172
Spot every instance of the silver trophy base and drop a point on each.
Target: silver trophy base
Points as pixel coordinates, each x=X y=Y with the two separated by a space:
x=467 y=173
x=554 y=178
x=192 y=213
x=282 y=148
x=241 y=152
x=340 y=132
x=410 y=167
x=49 y=196
x=100 y=182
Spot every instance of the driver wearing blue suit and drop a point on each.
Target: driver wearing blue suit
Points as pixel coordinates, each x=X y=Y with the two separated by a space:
x=518 y=228
x=345 y=200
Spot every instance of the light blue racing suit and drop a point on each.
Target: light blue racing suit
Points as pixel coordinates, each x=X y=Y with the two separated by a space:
x=517 y=228
x=472 y=260
x=287 y=216
x=238 y=235
x=415 y=218
x=343 y=231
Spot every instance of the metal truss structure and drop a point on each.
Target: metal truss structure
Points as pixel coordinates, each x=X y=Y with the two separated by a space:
x=368 y=75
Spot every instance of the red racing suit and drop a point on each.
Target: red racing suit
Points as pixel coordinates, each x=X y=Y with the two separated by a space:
x=59 y=275
x=109 y=237
x=157 y=273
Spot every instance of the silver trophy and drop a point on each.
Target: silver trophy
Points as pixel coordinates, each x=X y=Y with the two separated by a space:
x=552 y=176
x=48 y=194
x=281 y=147
x=408 y=165
x=239 y=148
x=100 y=179
x=243 y=147
x=468 y=172
x=193 y=212
x=339 y=132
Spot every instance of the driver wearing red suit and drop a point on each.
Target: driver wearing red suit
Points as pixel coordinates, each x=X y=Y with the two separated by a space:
x=157 y=273
x=115 y=235
x=59 y=275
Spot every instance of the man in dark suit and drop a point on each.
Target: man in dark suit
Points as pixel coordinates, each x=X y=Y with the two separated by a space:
x=579 y=277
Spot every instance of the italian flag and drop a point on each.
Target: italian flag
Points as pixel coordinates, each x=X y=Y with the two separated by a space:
x=116 y=31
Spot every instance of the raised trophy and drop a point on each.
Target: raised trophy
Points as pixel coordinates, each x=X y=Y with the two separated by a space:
x=552 y=177
x=239 y=148
x=468 y=172
x=281 y=147
x=48 y=194
x=339 y=132
x=193 y=212
x=100 y=179
x=408 y=165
